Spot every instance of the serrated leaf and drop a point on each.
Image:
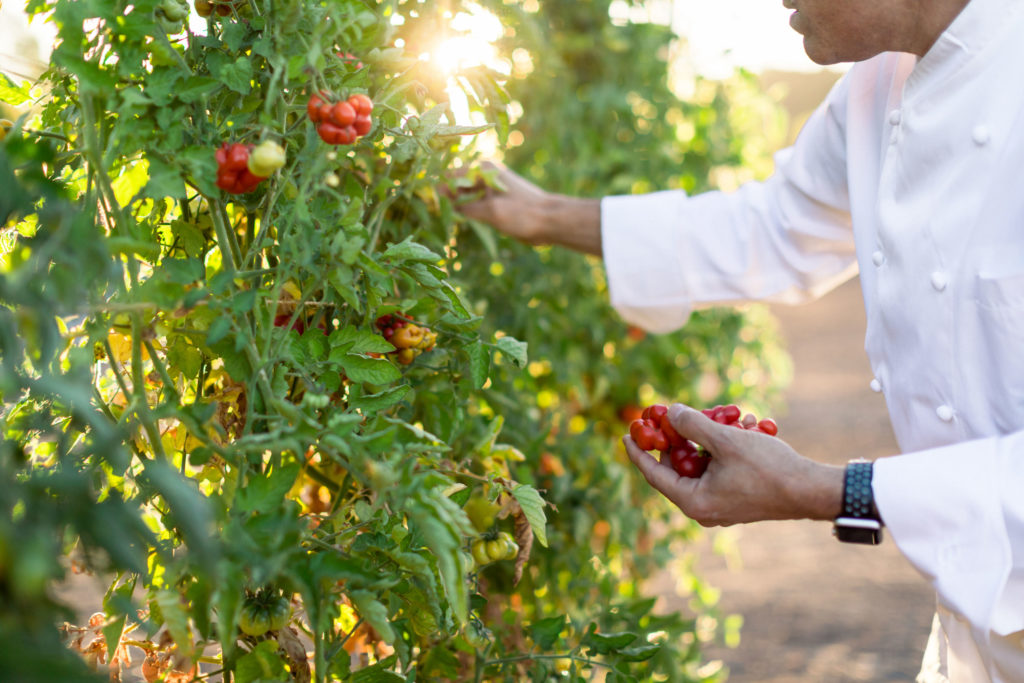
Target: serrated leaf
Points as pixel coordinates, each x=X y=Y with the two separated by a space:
x=265 y=493
x=457 y=303
x=196 y=88
x=13 y=94
x=378 y=673
x=533 y=507
x=237 y=75
x=353 y=340
x=407 y=250
x=607 y=643
x=373 y=403
x=449 y=131
x=175 y=618
x=164 y=181
x=360 y=368
x=373 y=612
x=640 y=653
x=261 y=664
x=514 y=349
x=546 y=632
x=479 y=364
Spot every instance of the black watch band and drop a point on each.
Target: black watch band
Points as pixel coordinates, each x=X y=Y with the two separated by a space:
x=859 y=521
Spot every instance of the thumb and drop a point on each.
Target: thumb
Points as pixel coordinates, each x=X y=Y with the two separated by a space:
x=695 y=426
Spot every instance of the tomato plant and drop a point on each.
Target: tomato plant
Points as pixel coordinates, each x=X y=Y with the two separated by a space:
x=238 y=354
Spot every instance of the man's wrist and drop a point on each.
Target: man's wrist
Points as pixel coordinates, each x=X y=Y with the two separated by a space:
x=570 y=222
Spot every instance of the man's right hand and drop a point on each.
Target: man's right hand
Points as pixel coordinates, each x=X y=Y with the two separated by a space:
x=518 y=208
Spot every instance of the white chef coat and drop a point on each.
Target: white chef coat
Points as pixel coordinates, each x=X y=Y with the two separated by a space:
x=912 y=172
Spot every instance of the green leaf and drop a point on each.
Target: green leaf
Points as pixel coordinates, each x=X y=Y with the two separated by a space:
x=13 y=94
x=533 y=508
x=479 y=363
x=640 y=653
x=374 y=612
x=360 y=368
x=164 y=181
x=189 y=511
x=197 y=88
x=546 y=632
x=238 y=75
x=353 y=340
x=607 y=643
x=261 y=665
x=175 y=618
x=457 y=303
x=373 y=403
x=407 y=250
x=514 y=349
x=265 y=493
x=378 y=673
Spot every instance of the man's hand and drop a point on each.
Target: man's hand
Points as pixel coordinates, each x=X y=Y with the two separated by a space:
x=751 y=477
x=515 y=206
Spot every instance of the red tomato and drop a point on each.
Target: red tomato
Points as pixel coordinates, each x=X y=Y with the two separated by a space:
x=729 y=414
x=687 y=462
x=342 y=114
x=362 y=104
x=363 y=124
x=768 y=426
x=655 y=412
x=313 y=108
x=647 y=435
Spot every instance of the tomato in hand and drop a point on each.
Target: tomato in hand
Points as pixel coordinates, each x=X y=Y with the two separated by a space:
x=688 y=462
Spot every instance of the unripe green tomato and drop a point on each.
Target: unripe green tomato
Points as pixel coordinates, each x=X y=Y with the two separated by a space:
x=477 y=635
x=479 y=552
x=496 y=549
x=265 y=158
x=279 y=611
x=254 y=619
x=511 y=547
x=481 y=512
x=175 y=10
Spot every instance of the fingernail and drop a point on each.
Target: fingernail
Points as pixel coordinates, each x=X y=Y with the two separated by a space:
x=676 y=409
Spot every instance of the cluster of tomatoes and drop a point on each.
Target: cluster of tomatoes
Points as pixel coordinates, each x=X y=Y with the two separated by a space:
x=205 y=8
x=499 y=546
x=342 y=122
x=408 y=338
x=653 y=431
x=266 y=610
x=241 y=167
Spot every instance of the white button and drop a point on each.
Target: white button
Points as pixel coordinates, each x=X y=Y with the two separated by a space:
x=878 y=258
x=945 y=413
x=894 y=117
x=939 y=280
x=876 y=386
x=980 y=135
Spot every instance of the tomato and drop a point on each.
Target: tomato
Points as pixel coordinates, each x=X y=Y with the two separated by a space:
x=477 y=635
x=673 y=437
x=729 y=414
x=496 y=549
x=233 y=174
x=266 y=158
x=481 y=512
x=204 y=8
x=334 y=134
x=479 y=552
x=313 y=108
x=511 y=547
x=408 y=337
x=362 y=104
x=768 y=426
x=174 y=10
x=342 y=114
x=648 y=435
x=254 y=619
x=362 y=125
x=688 y=462
x=279 y=611
x=656 y=412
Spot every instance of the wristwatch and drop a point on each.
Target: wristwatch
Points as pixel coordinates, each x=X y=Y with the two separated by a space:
x=859 y=521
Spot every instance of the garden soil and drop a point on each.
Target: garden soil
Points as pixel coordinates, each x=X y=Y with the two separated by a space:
x=815 y=610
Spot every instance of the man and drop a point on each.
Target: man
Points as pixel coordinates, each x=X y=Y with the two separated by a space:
x=909 y=172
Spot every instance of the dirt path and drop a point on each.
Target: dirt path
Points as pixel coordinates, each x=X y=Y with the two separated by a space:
x=816 y=610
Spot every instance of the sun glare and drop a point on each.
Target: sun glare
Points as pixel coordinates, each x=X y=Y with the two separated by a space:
x=475 y=32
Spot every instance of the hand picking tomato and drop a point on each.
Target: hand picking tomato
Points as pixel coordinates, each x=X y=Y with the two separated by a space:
x=688 y=461
x=648 y=435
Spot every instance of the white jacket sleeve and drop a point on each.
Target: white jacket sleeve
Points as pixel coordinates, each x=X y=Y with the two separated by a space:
x=957 y=513
x=787 y=239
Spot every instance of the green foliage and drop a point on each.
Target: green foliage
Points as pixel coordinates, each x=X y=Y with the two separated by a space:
x=200 y=404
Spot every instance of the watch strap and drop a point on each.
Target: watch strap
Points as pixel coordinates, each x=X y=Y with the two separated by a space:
x=859 y=521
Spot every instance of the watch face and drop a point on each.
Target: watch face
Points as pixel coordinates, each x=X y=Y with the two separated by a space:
x=847 y=530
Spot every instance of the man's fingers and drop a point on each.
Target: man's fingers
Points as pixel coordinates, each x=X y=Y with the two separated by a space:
x=694 y=425
x=661 y=477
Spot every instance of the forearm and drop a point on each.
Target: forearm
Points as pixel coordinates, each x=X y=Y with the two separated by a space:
x=570 y=222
